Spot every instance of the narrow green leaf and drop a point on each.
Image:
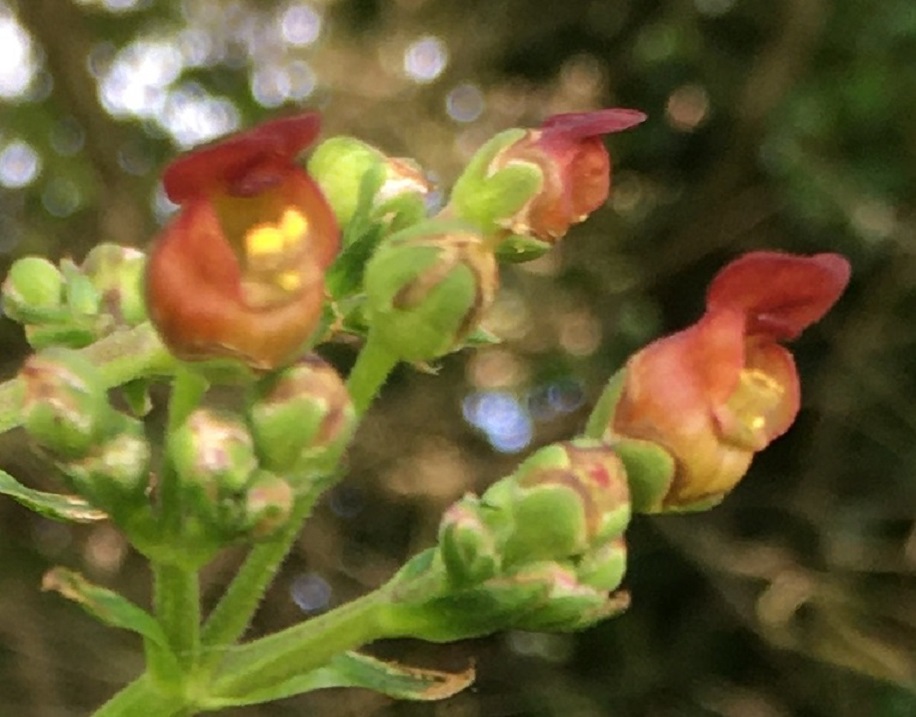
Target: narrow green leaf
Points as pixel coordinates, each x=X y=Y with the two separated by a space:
x=105 y=605
x=352 y=669
x=69 y=508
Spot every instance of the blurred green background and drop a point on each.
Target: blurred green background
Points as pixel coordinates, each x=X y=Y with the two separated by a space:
x=787 y=124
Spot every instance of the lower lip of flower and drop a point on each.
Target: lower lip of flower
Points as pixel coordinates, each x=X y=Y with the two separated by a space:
x=744 y=421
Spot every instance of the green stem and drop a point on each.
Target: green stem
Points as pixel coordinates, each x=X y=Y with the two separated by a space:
x=369 y=373
x=176 y=588
x=304 y=647
x=121 y=356
x=233 y=613
x=176 y=596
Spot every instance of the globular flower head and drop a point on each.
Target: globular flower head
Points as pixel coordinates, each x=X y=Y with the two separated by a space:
x=539 y=182
x=721 y=390
x=240 y=271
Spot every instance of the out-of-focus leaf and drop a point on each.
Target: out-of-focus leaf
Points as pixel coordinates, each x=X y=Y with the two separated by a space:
x=352 y=669
x=68 y=508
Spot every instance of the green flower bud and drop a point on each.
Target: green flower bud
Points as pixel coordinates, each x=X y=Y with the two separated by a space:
x=466 y=544
x=563 y=500
x=116 y=272
x=342 y=165
x=65 y=407
x=427 y=288
x=83 y=299
x=33 y=291
x=268 y=504
x=300 y=416
x=214 y=456
x=114 y=475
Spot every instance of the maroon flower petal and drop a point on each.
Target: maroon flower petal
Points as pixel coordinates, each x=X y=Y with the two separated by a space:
x=781 y=294
x=580 y=125
x=245 y=163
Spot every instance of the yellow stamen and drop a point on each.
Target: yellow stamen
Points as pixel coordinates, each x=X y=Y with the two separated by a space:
x=289 y=280
x=271 y=239
x=745 y=420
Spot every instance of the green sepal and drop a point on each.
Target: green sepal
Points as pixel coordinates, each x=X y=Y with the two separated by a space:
x=71 y=333
x=83 y=299
x=602 y=414
x=467 y=544
x=109 y=608
x=340 y=165
x=66 y=508
x=418 y=303
x=117 y=273
x=650 y=471
x=570 y=609
x=519 y=248
x=489 y=199
x=352 y=669
x=604 y=567
x=549 y=523
x=136 y=396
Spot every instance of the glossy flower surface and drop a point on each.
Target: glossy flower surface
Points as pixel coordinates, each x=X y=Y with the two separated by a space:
x=576 y=167
x=240 y=270
x=721 y=390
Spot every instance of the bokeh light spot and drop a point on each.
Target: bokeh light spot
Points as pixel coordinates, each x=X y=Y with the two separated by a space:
x=425 y=59
x=310 y=592
x=300 y=24
x=17 y=60
x=465 y=103
x=502 y=417
x=19 y=164
x=687 y=107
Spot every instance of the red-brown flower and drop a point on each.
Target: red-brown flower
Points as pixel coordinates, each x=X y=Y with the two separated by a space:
x=721 y=390
x=240 y=271
x=576 y=166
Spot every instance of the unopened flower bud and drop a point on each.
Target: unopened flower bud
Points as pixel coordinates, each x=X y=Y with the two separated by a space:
x=301 y=415
x=117 y=274
x=466 y=544
x=65 y=407
x=541 y=181
x=214 y=456
x=33 y=291
x=564 y=499
x=268 y=504
x=345 y=168
x=114 y=475
x=428 y=287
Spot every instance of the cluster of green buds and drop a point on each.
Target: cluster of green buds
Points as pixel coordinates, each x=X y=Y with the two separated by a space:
x=102 y=453
x=542 y=549
x=237 y=476
x=74 y=305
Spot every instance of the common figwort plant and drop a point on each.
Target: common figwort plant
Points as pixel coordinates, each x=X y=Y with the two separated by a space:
x=265 y=260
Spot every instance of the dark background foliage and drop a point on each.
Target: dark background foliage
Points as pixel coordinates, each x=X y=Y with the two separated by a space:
x=782 y=124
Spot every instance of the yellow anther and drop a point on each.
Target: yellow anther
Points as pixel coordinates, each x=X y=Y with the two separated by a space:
x=294 y=225
x=289 y=280
x=264 y=240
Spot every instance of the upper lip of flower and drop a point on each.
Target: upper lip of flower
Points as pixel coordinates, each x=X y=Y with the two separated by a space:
x=244 y=164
